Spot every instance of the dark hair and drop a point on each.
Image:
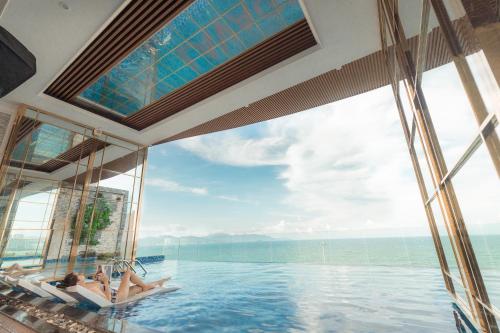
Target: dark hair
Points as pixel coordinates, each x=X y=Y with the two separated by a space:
x=70 y=280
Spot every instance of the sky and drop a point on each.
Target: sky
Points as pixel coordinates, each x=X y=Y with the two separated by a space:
x=339 y=170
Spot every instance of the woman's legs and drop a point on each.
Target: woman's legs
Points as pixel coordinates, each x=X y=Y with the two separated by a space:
x=138 y=282
x=123 y=289
x=12 y=268
x=134 y=290
x=16 y=270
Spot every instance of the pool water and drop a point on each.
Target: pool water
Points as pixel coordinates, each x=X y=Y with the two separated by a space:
x=259 y=297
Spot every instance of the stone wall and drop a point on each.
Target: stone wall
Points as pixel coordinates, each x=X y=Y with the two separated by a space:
x=65 y=212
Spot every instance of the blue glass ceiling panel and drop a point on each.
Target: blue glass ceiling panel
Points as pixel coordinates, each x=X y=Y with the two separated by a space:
x=205 y=35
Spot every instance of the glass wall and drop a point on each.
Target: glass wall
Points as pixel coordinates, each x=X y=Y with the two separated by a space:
x=435 y=42
x=70 y=196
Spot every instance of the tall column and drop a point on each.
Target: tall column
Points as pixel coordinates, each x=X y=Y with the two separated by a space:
x=139 y=205
x=73 y=255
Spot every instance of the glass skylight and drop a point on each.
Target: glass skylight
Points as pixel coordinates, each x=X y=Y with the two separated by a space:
x=204 y=36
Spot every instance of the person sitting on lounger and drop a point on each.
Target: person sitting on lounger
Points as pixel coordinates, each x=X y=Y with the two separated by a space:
x=101 y=285
x=17 y=270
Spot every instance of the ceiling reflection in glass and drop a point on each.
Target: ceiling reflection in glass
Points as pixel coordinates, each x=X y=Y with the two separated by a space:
x=43 y=144
x=204 y=36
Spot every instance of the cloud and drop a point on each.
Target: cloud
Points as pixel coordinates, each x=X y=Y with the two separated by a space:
x=236 y=199
x=345 y=166
x=160 y=229
x=232 y=149
x=342 y=164
x=171 y=186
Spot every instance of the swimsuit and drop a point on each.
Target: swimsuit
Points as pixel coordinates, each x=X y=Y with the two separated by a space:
x=114 y=293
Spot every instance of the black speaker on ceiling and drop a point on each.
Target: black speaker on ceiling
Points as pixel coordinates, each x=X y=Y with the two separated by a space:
x=17 y=64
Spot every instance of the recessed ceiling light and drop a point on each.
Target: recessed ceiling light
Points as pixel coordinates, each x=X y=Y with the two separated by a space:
x=63 y=5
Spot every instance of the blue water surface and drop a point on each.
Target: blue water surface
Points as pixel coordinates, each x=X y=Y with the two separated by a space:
x=272 y=297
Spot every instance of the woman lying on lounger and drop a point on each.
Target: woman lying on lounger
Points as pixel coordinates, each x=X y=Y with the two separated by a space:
x=17 y=270
x=101 y=285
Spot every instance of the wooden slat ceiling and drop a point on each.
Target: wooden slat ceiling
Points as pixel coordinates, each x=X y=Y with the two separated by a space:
x=481 y=12
x=138 y=21
x=82 y=150
x=27 y=126
x=354 y=78
x=110 y=169
x=133 y=25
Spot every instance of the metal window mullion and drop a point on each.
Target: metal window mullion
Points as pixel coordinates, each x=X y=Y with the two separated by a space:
x=81 y=212
x=5 y=218
x=139 y=204
x=447 y=199
x=130 y=217
x=463 y=159
x=30 y=229
x=422 y=42
x=95 y=198
x=467 y=78
x=68 y=212
x=491 y=308
x=41 y=229
x=489 y=122
x=428 y=210
x=492 y=142
x=413 y=131
x=415 y=163
x=50 y=230
x=432 y=197
x=473 y=274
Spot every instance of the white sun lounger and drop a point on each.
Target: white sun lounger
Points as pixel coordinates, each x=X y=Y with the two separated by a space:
x=65 y=296
x=57 y=292
x=30 y=286
x=84 y=295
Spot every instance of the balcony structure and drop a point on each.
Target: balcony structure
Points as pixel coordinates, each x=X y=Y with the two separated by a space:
x=114 y=78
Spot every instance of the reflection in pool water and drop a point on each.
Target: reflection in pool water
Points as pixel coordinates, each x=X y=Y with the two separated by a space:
x=259 y=297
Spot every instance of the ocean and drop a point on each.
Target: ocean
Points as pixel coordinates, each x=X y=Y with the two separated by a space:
x=408 y=251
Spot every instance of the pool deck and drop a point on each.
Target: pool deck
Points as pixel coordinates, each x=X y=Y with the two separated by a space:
x=23 y=312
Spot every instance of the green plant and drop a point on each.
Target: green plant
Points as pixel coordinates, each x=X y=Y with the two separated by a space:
x=107 y=255
x=100 y=221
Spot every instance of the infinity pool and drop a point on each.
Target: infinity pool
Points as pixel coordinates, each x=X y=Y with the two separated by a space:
x=249 y=297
